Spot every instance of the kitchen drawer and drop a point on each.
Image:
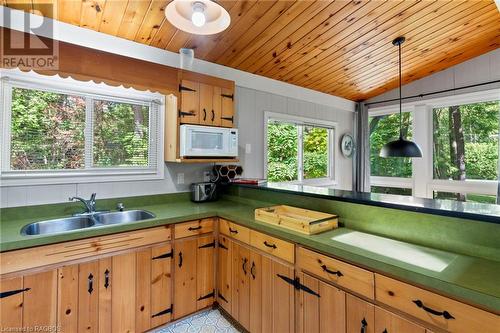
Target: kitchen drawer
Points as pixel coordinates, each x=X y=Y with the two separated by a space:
x=234 y=230
x=194 y=228
x=448 y=314
x=338 y=272
x=272 y=245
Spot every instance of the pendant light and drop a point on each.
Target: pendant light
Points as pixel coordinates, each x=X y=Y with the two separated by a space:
x=400 y=147
x=200 y=17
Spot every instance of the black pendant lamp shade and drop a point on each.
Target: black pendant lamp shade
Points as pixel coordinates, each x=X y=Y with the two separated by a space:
x=400 y=147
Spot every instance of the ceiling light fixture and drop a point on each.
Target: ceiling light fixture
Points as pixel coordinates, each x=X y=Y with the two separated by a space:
x=200 y=17
x=400 y=147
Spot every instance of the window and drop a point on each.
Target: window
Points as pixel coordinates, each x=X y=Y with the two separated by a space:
x=299 y=150
x=59 y=128
x=390 y=190
x=470 y=197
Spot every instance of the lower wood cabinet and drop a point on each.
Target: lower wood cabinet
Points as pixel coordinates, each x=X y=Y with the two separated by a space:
x=194 y=274
x=360 y=315
x=388 y=322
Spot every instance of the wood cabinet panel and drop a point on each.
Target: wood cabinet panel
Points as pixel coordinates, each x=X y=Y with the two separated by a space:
x=388 y=322
x=190 y=102
x=205 y=272
x=421 y=303
x=354 y=278
x=105 y=294
x=194 y=228
x=258 y=308
x=241 y=278
x=360 y=315
x=143 y=290
x=123 y=280
x=224 y=273
x=160 y=284
x=185 y=277
x=40 y=302
x=325 y=313
x=216 y=113
x=206 y=104
x=272 y=245
x=227 y=107
x=234 y=230
x=67 y=298
x=11 y=306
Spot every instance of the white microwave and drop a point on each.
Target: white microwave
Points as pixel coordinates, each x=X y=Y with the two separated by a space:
x=206 y=141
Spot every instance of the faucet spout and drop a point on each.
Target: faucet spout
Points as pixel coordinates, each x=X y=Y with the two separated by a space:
x=89 y=204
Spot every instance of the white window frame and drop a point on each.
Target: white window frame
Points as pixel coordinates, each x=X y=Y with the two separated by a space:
x=422 y=182
x=331 y=180
x=91 y=91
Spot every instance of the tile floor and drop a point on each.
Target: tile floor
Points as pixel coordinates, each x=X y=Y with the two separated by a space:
x=210 y=321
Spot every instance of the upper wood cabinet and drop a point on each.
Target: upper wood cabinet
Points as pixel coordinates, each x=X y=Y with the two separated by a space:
x=206 y=103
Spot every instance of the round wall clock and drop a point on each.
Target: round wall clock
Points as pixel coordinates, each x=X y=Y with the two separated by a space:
x=347 y=145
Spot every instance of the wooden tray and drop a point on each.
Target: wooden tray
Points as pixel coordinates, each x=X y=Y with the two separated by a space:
x=302 y=220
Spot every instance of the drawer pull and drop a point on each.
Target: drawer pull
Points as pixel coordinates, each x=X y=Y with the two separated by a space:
x=445 y=314
x=194 y=228
x=180 y=259
x=233 y=231
x=273 y=246
x=244 y=266
x=90 y=283
x=329 y=271
x=213 y=115
x=204 y=114
x=364 y=325
x=106 y=278
x=252 y=270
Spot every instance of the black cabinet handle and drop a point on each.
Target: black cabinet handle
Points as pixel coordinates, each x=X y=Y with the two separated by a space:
x=385 y=330
x=364 y=325
x=445 y=314
x=252 y=270
x=329 y=271
x=233 y=231
x=180 y=259
x=13 y=292
x=213 y=115
x=194 y=228
x=204 y=114
x=244 y=266
x=106 y=278
x=270 y=245
x=90 y=283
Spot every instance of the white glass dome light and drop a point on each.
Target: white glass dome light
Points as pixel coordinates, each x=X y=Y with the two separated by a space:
x=200 y=17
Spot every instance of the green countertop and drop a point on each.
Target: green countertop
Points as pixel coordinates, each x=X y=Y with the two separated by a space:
x=466 y=278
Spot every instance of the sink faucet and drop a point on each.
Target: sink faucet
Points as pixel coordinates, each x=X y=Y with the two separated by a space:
x=89 y=204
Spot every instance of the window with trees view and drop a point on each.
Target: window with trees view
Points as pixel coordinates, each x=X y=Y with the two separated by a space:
x=298 y=151
x=52 y=129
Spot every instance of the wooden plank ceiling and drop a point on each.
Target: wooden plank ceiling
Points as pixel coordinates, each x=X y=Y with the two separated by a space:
x=337 y=47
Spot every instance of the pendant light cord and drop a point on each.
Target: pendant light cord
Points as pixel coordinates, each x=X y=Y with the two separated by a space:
x=400 y=97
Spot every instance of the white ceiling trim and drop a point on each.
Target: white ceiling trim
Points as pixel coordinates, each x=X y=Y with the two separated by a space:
x=103 y=42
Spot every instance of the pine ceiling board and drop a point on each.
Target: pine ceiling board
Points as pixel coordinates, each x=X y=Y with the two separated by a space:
x=69 y=11
x=454 y=45
x=92 y=14
x=262 y=22
x=164 y=35
x=178 y=41
x=326 y=61
x=489 y=43
x=381 y=46
x=356 y=32
x=244 y=47
x=319 y=19
x=152 y=21
x=309 y=14
x=112 y=16
x=247 y=10
x=47 y=8
x=132 y=18
x=25 y=5
x=299 y=10
x=312 y=45
x=385 y=61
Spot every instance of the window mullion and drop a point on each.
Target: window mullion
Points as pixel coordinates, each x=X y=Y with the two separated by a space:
x=89 y=135
x=300 y=153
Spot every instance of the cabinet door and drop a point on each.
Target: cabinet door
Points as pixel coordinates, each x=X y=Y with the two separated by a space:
x=161 y=285
x=123 y=301
x=224 y=272
x=241 y=285
x=88 y=297
x=190 y=102
x=388 y=322
x=205 y=273
x=185 y=277
x=321 y=310
x=283 y=308
x=67 y=298
x=11 y=303
x=227 y=107
x=206 y=103
x=40 y=301
x=360 y=315
x=105 y=295
x=216 y=112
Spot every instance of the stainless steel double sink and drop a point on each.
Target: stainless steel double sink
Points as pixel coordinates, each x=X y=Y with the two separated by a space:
x=84 y=221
